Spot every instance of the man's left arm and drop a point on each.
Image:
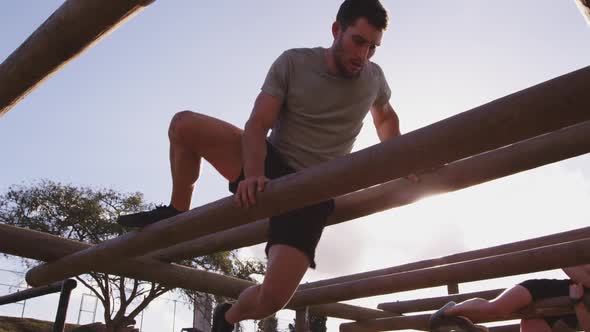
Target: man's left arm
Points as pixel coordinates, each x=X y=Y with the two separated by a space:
x=386 y=121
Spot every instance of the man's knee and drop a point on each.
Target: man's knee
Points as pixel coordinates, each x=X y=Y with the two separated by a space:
x=179 y=124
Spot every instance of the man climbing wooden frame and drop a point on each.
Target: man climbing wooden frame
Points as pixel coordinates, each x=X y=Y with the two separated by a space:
x=540 y=109
x=559 y=145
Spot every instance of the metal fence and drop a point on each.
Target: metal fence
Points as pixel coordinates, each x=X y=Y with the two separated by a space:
x=165 y=313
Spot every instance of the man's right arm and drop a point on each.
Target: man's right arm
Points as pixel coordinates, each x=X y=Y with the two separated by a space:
x=265 y=113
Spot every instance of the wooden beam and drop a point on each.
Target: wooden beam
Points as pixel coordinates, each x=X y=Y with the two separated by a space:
x=74 y=27
x=35 y=292
x=526 y=261
x=548 y=307
x=505 y=328
x=302 y=320
x=584 y=6
x=546 y=107
x=453 y=288
x=346 y=311
x=433 y=303
x=576 y=234
x=559 y=145
x=42 y=246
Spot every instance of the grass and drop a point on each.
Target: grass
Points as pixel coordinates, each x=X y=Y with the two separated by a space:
x=16 y=324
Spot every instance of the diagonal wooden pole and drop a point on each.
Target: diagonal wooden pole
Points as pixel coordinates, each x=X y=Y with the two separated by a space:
x=535 y=152
x=547 y=148
x=546 y=107
x=521 y=262
x=74 y=27
x=42 y=246
x=432 y=303
x=576 y=234
x=556 y=306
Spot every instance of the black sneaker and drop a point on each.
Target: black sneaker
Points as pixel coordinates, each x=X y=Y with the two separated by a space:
x=145 y=218
x=439 y=320
x=219 y=322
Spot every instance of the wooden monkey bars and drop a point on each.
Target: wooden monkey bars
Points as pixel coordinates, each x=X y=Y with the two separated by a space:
x=546 y=107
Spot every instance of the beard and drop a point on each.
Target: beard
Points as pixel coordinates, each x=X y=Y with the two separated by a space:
x=339 y=60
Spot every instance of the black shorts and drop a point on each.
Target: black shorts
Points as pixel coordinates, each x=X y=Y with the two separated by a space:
x=301 y=228
x=547 y=288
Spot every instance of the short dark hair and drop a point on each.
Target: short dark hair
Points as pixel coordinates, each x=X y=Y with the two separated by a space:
x=372 y=10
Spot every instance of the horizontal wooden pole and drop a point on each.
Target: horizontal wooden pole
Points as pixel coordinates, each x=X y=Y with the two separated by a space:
x=584 y=6
x=302 y=320
x=71 y=29
x=521 y=262
x=576 y=234
x=42 y=246
x=545 y=149
x=505 y=328
x=547 y=307
x=546 y=107
x=433 y=303
x=453 y=288
x=37 y=291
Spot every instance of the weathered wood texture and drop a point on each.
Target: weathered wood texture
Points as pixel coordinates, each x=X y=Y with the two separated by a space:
x=548 y=307
x=577 y=234
x=453 y=288
x=35 y=292
x=433 y=303
x=302 y=320
x=521 y=262
x=72 y=28
x=543 y=108
x=42 y=246
x=559 y=145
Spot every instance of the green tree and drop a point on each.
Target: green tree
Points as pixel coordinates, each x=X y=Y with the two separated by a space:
x=316 y=324
x=88 y=215
x=269 y=324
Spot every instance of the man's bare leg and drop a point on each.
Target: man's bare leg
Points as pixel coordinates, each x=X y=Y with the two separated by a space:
x=194 y=136
x=285 y=269
x=535 y=325
x=506 y=303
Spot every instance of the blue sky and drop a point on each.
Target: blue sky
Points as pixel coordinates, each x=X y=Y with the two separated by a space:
x=102 y=120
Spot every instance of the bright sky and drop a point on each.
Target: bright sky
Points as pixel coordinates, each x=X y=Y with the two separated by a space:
x=102 y=120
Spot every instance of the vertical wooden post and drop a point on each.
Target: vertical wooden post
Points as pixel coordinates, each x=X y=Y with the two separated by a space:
x=302 y=320
x=62 y=308
x=453 y=288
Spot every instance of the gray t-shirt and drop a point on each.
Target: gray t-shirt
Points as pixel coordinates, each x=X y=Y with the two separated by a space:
x=322 y=114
